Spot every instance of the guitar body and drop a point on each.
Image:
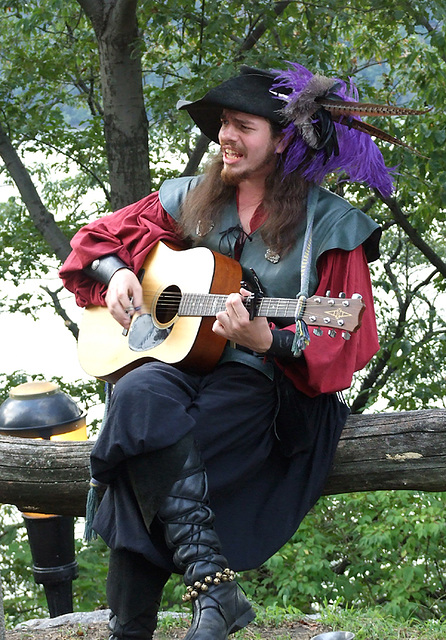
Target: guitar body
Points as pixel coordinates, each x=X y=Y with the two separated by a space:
x=104 y=350
x=175 y=324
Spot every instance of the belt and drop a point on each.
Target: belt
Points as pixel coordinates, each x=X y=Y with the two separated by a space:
x=248 y=358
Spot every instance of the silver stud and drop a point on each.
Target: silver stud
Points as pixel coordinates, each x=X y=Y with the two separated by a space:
x=272 y=256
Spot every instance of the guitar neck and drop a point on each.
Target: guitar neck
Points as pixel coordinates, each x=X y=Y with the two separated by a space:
x=207 y=304
x=318 y=310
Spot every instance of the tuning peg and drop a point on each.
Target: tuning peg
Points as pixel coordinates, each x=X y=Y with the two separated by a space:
x=357 y=296
x=318 y=331
x=328 y=293
x=346 y=335
x=332 y=333
x=342 y=294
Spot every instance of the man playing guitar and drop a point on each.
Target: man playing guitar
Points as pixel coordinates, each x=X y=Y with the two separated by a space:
x=211 y=471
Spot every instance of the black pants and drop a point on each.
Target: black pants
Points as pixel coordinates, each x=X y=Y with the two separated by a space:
x=259 y=495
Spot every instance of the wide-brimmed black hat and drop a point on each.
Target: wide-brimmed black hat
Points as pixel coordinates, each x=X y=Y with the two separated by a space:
x=320 y=118
x=249 y=92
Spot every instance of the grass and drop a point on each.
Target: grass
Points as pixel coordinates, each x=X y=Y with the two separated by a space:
x=367 y=624
x=371 y=624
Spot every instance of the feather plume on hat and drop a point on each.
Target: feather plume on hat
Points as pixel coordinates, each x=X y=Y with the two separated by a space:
x=325 y=133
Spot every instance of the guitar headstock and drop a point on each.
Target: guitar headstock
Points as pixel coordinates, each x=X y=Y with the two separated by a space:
x=341 y=313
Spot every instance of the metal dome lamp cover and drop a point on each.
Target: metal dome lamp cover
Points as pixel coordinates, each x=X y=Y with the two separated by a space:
x=41 y=410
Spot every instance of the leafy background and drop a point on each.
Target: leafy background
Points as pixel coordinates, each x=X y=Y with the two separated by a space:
x=381 y=549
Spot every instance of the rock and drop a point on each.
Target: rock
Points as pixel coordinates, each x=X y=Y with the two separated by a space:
x=80 y=617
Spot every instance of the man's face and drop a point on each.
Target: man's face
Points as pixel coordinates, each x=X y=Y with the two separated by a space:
x=248 y=147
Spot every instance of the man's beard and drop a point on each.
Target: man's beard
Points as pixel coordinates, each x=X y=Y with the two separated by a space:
x=233 y=178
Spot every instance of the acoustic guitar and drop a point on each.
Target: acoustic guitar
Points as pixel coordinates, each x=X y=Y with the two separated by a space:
x=175 y=326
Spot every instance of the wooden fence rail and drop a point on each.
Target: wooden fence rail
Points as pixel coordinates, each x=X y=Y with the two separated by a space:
x=404 y=450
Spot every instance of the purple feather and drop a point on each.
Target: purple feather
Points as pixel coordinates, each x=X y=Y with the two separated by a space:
x=359 y=157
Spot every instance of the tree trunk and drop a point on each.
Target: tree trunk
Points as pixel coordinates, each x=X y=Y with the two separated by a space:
x=382 y=451
x=125 y=120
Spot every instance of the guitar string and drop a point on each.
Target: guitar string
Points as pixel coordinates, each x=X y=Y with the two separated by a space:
x=174 y=295
x=273 y=307
x=171 y=297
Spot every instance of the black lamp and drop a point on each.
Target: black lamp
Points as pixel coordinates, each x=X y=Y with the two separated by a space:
x=42 y=410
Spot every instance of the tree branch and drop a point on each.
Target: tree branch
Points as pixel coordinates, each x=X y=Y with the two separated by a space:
x=250 y=41
x=43 y=220
x=254 y=36
x=71 y=326
x=196 y=156
x=381 y=370
x=413 y=234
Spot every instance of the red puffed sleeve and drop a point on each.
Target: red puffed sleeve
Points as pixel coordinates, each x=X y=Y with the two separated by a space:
x=129 y=233
x=327 y=365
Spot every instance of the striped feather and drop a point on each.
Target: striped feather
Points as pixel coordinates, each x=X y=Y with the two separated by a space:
x=342 y=107
x=371 y=130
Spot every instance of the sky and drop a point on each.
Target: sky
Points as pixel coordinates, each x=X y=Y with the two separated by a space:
x=43 y=346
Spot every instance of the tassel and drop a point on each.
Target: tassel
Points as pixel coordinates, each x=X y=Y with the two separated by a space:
x=302 y=336
x=94 y=496
x=97 y=489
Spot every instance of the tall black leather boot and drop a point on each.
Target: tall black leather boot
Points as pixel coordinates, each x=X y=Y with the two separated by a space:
x=134 y=589
x=219 y=606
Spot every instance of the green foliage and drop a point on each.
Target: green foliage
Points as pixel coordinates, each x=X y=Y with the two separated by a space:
x=382 y=549
x=23 y=598
x=409 y=299
x=51 y=108
x=89 y=587
x=373 y=549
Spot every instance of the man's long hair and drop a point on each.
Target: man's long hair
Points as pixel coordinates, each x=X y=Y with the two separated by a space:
x=285 y=203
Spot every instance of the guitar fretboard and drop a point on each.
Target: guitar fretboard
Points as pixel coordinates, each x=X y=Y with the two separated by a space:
x=205 y=304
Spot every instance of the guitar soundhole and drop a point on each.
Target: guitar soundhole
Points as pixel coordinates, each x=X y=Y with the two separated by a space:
x=166 y=307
